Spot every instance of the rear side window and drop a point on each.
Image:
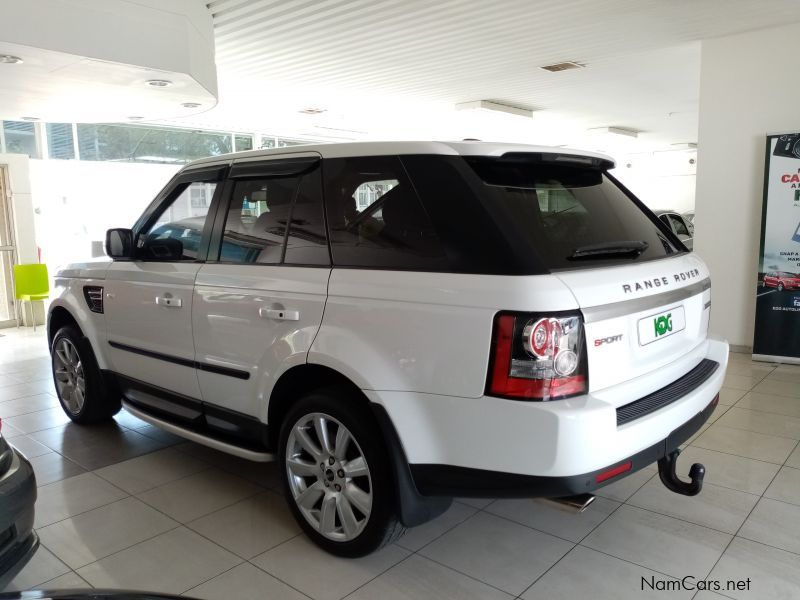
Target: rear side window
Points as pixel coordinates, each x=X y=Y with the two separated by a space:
x=569 y=215
x=376 y=219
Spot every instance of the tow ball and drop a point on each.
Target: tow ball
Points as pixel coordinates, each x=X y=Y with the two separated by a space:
x=666 y=471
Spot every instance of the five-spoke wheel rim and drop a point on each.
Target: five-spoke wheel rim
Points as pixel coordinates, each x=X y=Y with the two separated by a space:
x=329 y=477
x=70 y=380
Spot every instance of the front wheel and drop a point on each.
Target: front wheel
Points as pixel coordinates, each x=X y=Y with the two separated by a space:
x=337 y=475
x=79 y=384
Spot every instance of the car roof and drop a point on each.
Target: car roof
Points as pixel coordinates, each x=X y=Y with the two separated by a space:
x=352 y=149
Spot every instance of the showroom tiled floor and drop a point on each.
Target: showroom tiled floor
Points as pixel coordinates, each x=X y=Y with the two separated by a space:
x=127 y=505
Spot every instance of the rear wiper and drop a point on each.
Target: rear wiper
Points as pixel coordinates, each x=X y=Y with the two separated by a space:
x=631 y=248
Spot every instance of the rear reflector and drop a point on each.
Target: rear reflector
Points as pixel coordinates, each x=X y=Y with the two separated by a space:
x=618 y=470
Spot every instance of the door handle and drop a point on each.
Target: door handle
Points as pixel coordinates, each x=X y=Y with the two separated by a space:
x=279 y=314
x=169 y=301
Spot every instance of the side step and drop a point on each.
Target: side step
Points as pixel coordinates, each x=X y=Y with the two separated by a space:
x=200 y=438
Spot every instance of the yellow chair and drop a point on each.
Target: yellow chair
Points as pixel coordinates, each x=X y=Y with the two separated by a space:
x=31 y=283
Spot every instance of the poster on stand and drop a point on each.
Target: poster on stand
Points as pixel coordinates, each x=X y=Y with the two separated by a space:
x=777 y=327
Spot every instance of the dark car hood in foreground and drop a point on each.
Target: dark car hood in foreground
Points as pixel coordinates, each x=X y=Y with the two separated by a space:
x=89 y=594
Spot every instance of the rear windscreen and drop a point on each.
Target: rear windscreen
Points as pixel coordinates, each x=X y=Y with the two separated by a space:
x=569 y=215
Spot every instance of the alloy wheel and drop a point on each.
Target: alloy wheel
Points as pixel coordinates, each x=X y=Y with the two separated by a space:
x=329 y=477
x=70 y=379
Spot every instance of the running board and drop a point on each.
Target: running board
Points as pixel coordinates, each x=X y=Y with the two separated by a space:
x=199 y=437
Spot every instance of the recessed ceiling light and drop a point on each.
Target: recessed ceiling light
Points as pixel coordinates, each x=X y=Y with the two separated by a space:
x=563 y=66
x=312 y=110
x=29 y=118
x=135 y=118
x=191 y=105
x=158 y=82
x=10 y=59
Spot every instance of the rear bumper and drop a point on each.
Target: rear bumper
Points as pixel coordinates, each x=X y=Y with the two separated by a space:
x=445 y=480
x=569 y=440
x=18 y=541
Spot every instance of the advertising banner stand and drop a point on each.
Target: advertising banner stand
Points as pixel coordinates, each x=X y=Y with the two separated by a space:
x=777 y=327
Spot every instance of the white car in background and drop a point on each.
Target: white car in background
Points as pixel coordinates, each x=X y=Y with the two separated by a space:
x=679 y=225
x=398 y=324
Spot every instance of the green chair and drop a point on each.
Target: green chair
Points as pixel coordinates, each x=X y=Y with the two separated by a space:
x=31 y=283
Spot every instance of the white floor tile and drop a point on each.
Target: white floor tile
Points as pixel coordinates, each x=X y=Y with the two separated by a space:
x=417 y=578
x=782 y=405
x=555 y=520
x=97 y=533
x=506 y=555
x=172 y=562
x=586 y=573
x=745 y=443
x=658 y=542
x=761 y=422
x=245 y=582
x=786 y=486
x=251 y=526
x=774 y=523
x=151 y=470
x=417 y=537
x=42 y=567
x=726 y=470
x=198 y=495
x=73 y=496
x=320 y=575
x=772 y=573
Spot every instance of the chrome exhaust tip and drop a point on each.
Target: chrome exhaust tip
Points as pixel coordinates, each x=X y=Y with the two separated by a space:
x=576 y=504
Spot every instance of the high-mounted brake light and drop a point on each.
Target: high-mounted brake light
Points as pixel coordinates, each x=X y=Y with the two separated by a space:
x=537 y=358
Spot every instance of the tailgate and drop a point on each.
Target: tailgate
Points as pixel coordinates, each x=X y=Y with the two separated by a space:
x=642 y=317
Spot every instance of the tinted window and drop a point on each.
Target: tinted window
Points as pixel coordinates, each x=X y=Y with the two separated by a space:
x=179 y=227
x=258 y=215
x=376 y=219
x=570 y=215
x=679 y=226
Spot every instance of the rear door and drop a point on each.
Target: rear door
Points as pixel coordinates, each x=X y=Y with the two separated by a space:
x=258 y=300
x=148 y=301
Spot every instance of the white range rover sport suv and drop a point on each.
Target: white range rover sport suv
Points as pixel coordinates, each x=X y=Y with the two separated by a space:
x=399 y=324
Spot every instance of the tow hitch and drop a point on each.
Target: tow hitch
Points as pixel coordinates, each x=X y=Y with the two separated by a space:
x=666 y=471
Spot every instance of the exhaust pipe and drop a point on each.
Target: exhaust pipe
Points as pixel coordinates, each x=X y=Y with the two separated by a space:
x=576 y=504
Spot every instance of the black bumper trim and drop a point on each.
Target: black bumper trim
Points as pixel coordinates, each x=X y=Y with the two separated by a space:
x=667 y=395
x=448 y=480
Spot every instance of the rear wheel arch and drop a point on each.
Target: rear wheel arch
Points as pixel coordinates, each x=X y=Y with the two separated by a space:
x=297 y=382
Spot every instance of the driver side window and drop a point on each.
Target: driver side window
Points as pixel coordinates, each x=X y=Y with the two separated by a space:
x=177 y=232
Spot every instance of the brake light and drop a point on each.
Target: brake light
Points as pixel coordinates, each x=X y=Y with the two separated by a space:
x=537 y=357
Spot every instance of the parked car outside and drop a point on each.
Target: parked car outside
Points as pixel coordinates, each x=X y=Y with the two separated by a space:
x=399 y=324
x=782 y=280
x=18 y=541
x=679 y=225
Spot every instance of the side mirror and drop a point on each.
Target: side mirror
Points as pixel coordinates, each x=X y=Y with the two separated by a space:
x=119 y=243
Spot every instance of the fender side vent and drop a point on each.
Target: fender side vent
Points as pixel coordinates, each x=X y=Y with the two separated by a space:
x=94 y=297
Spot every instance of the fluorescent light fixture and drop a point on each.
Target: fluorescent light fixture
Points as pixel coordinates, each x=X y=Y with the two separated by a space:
x=489 y=106
x=563 y=66
x=615 y=131
x=191 y=105
x=158 y=82
x=10 y=59
x=312 y=110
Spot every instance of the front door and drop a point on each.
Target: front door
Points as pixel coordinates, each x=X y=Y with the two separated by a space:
x=258 y=307
x=148 y=302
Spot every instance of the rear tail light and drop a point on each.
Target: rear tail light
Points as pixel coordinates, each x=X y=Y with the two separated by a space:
x=537 y=357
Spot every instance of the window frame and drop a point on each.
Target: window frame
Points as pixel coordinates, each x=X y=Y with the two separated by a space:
x=287 y=164
x=214 y=173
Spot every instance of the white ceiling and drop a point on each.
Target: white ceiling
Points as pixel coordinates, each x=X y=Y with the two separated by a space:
x=395 y=68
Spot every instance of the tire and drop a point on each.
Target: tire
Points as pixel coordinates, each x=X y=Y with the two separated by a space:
x=345 y=524
x=780 y=287
x=74 y=369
